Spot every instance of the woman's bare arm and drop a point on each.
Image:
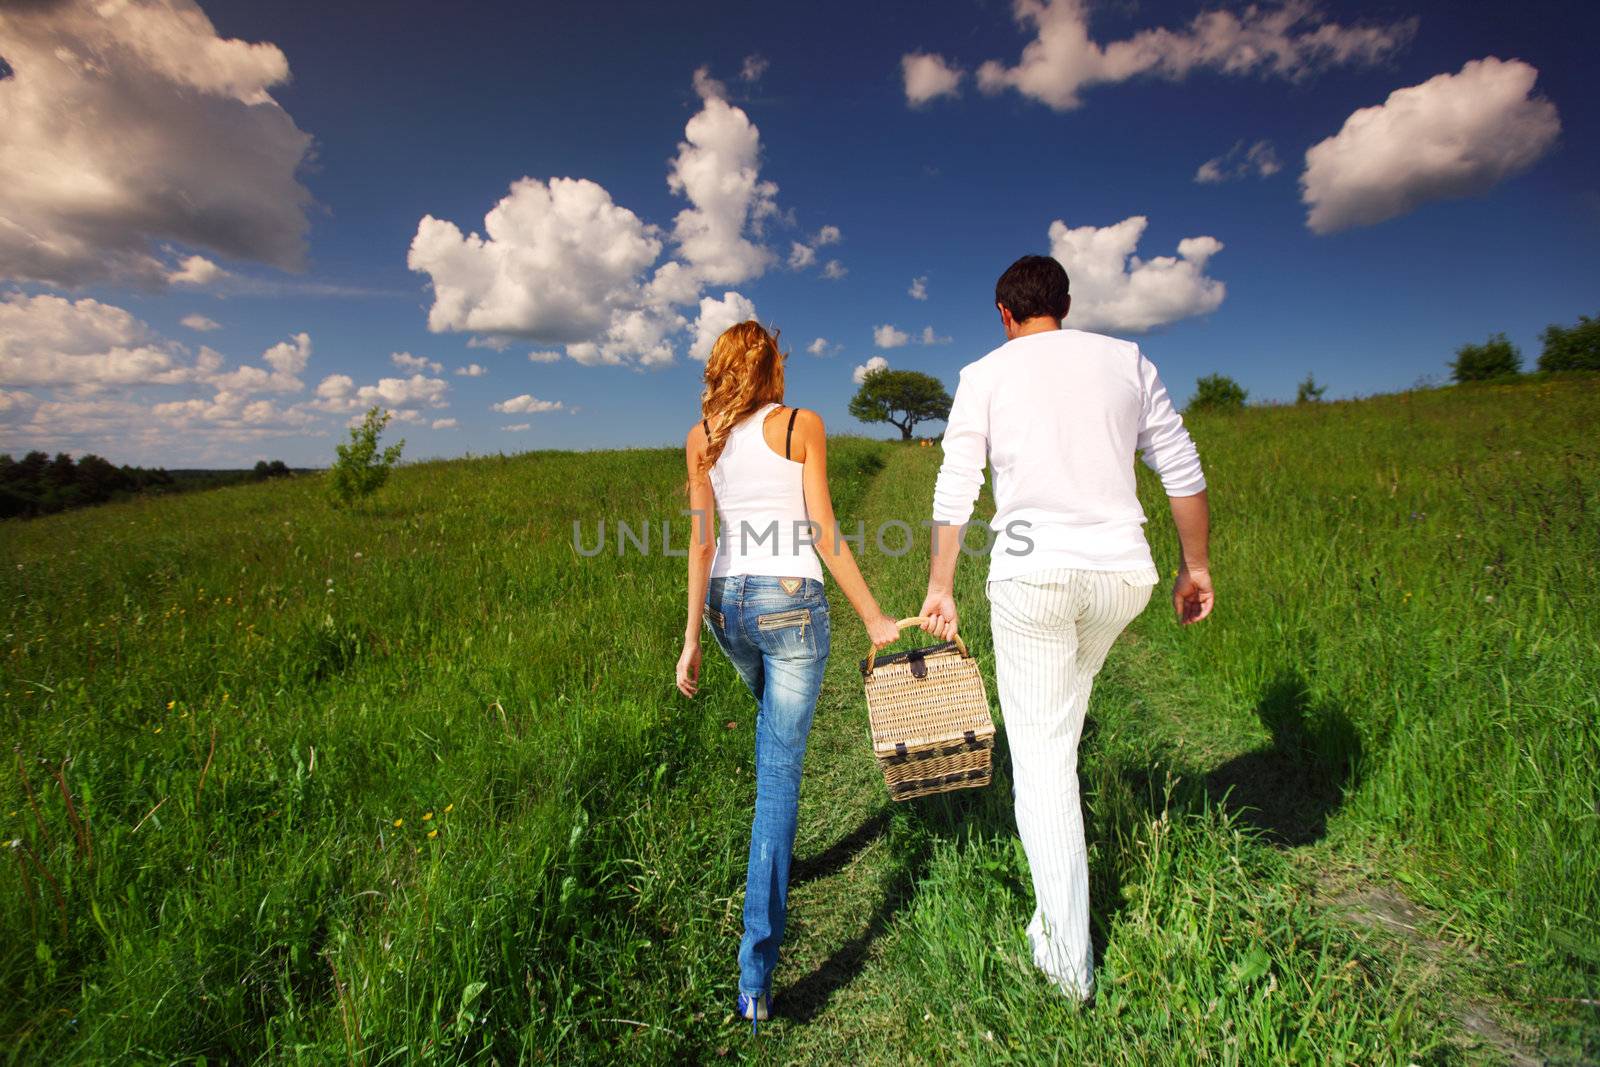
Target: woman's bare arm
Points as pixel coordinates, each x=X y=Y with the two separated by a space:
x=702 y=548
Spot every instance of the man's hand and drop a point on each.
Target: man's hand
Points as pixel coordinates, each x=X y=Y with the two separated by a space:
x=689 y=667
x=1192 y=596
x=939 y=609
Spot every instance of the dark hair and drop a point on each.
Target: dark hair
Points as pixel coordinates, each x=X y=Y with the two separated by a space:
x=1033 y=286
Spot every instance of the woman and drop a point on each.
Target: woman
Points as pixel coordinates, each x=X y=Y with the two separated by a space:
x=763 y=468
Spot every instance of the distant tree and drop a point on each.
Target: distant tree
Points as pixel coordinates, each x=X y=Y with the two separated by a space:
x=901 y=398
x=1571 y=347
x=1309 y=392
x=360 y=469
x=1495 y=358
x=264 y=470
x=1217 y=392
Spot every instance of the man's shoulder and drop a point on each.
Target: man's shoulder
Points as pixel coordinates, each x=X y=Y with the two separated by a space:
x=1079 y=342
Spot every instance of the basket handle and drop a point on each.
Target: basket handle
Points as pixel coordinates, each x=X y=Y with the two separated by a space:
x=917 y=620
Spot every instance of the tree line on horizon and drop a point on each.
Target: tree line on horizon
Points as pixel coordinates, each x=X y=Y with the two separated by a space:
x=39 y=485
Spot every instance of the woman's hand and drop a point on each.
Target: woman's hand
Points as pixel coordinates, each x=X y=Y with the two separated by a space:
x=883 y=630
x=689 y=667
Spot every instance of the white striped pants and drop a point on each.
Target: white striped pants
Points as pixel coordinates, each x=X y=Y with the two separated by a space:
x=1052 y=630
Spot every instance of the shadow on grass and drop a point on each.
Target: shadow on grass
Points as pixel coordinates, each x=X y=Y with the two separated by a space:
x=839 y=855
x=1286 y=790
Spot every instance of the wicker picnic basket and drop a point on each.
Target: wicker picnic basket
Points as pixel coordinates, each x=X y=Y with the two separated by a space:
x=931 y=729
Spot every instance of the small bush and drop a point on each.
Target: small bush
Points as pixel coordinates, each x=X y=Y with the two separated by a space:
x=1571 y=347
x=1309 y=392
x=360 y=471
x=1217 y=392
x=1495 y=358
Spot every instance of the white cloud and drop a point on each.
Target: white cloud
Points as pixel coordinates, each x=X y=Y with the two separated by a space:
x=919 y=288
x=755 y=65
x=471 y=370
x=833 y=270
x=287 y=359
x=887 y=336
x=801 y=256
x=1259 y=160
x=196 y=271
x=1290 y=40
x=928 y=337
x=445 y=424
x=338 y=393
x=1455 y=135
x=518 y=427
x=819 y=347
x=561 y=263
x=859 y=375
x=15 y=399
x=715 y=317
x=1114 y=289
x=544 y=357
x=828 y=235
x=928 y=77
x=131 y=125
x=51 y=341
x=526 y=405
x=199 y=323
x=415 y=364
x=718 y=169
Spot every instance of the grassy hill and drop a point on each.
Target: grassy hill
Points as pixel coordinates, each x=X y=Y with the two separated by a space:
x=413 y=784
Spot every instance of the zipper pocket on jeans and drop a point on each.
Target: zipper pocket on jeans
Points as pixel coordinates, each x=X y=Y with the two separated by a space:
x=780 y=620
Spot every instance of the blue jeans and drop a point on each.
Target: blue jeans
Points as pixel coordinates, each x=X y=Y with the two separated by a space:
x=778 y=642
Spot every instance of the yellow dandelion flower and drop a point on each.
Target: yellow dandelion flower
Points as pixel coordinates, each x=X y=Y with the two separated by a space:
x=399 y=822
x=448 y=808
x=171 y=704
x=428 y=817
x=158 y=729
x=432 y=834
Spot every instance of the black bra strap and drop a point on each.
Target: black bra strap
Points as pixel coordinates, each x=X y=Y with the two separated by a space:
x=788 y=438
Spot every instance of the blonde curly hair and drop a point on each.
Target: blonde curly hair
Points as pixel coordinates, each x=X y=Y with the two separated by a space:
x=743 y=373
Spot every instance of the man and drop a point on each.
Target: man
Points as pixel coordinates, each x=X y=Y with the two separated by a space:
x=1059 y=414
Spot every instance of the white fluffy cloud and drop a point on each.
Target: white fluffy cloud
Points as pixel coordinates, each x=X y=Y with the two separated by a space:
x=928 y=337
x=199 y=323
x=928 y=77
x=715 y=317
x=1454 y=135
x=886 y=336
x=52 y=341
x=859 y=375
x=828 y=235
x=339 y=393
x=471 y=370
x=1113 y=289
x=718 y=169
x=445 y=424
x=1288 y=40
x=128 y=126
x=919 y=288
x=820 y=347
x=561 y=263
x=754 y=66
x=526 y=404
x=415 y=364
x=543 y=357
x=833 y=270
x=801 y=256
x=1259 y=159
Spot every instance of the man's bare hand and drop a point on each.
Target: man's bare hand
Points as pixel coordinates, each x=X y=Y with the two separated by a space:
x=1192 y=596
x=939 y=609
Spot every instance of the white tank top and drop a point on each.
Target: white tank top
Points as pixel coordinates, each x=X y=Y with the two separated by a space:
x=761 y=505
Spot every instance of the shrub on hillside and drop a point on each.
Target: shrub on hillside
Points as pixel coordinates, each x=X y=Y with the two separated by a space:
x=1571 y=347
x=360 y=470
x=1309 y=392
x=1217 y=392
x=1495 y=358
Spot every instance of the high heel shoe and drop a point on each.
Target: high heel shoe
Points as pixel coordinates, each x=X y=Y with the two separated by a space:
x=757 y=1009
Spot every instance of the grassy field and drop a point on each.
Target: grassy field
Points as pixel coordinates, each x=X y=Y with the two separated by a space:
x=412 y=783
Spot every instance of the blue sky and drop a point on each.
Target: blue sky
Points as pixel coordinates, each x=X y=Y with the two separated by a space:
x=1491 y=225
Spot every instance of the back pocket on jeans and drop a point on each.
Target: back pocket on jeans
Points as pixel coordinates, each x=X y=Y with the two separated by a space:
x=791 y=634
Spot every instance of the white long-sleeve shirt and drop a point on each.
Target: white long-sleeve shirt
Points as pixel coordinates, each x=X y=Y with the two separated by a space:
x=1059 y=416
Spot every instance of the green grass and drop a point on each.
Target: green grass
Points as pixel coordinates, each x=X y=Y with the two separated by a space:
x=1398 y=690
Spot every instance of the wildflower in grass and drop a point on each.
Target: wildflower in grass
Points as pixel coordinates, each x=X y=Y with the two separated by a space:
x=171 y=704
x=158 y=729
x=428 y=817
x=448 y=808
x=399 y=822
x=432 y=834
